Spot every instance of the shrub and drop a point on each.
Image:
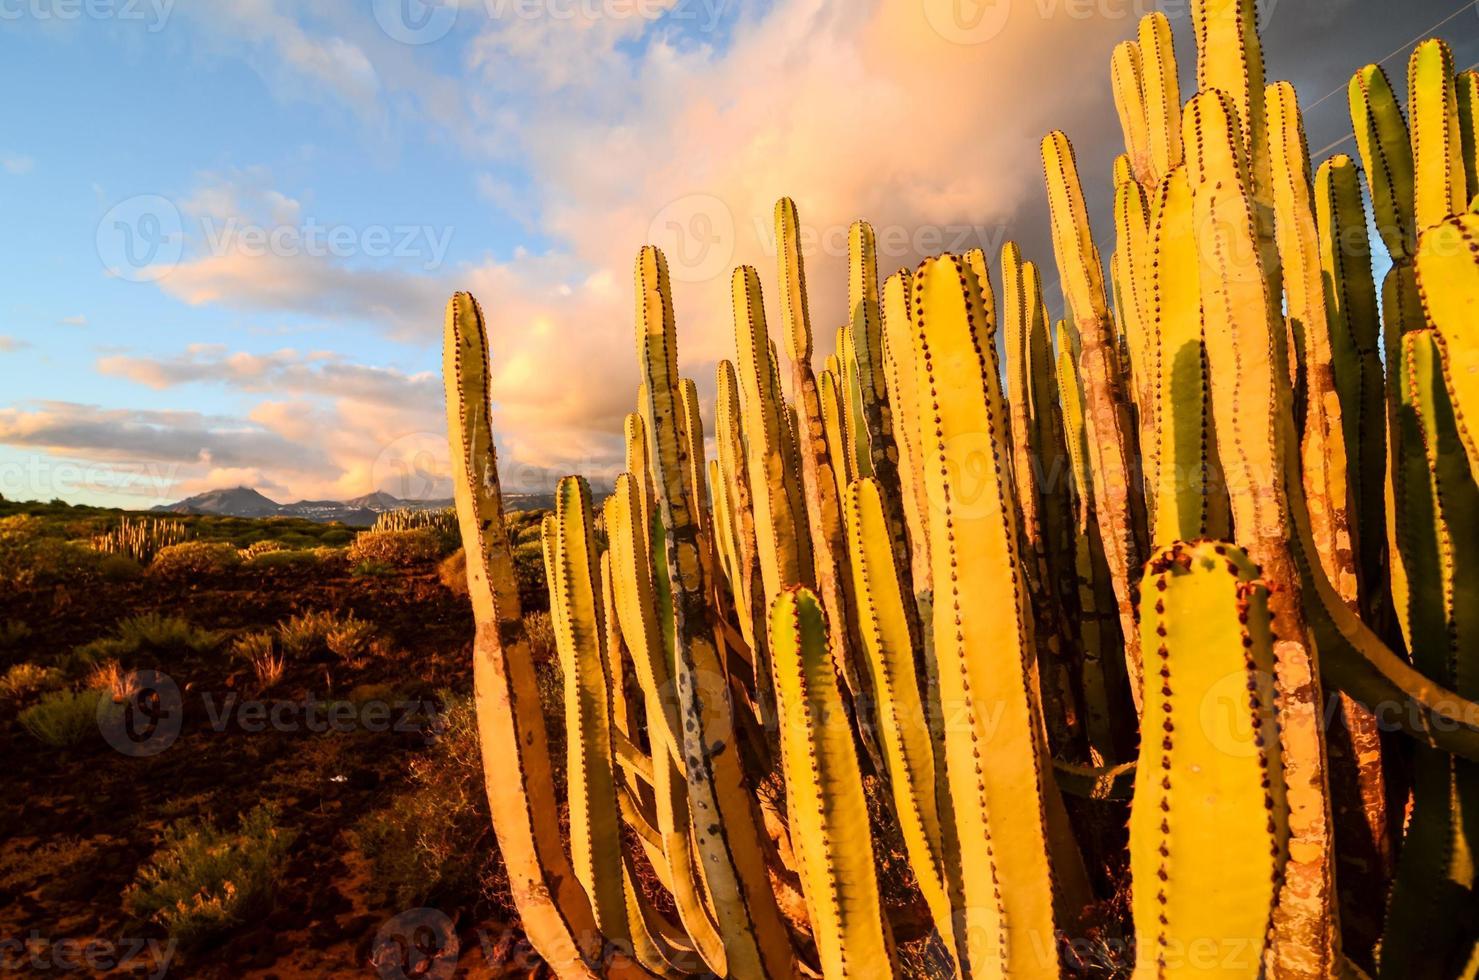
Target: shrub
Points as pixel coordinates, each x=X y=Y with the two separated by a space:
x=529 y=574
x=62 y=718
x=350 y=639
x=195 y=559
x=540 y=630
x=24 y=681
x=111 y=679
x=453 y=572
x=371 y=568
x=258 y=651
x=413 y=547
x=313 y=634
x=31 y=560
x=258 y=548
x=284 y=558
x=433 y=843
x=204 y=881
x=151 y=633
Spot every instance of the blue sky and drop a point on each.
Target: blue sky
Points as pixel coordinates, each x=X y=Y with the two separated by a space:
x=525 y=154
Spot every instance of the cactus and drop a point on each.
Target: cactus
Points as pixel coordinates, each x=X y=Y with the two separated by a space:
x=938 y=591
x=1209 y=827
x=824 y=792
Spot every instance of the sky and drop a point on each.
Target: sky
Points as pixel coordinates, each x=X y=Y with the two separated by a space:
x=232 y=225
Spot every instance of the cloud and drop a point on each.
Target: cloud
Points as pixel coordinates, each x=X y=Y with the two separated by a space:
x=74 y=321
x=16 y=164
x=11 y=344
x=288 y=55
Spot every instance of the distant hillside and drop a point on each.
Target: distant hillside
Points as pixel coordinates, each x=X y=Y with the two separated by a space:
x=359 y=512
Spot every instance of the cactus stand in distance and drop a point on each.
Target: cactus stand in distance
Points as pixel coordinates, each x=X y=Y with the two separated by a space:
x=861 y=696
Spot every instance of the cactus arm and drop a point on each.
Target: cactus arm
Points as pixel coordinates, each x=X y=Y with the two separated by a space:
x=818 y=478
x=1003 y=874
x=554 y=909
x=1162 y=94
x=834 y=424
x=1246 y=354
x=898 y=319
x=595 y=836
x=1119 y=506
x=1230 y=60
x=1436 y=866
x=824 y=795
x=755 y=938
x=1355 y=330
x=777 y=524
x=865 y=303
x=1448 y=273
x=1439 y=180
x=1209 y=825
x=1128 y=83
x=1386 y=155
x=1466 y=93
x=1134 y=258
x=902 y=720
x=1323 y=448
x=1178 y=463
x=692 y=431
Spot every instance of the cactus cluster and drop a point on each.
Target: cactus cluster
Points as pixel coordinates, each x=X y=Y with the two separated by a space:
x=1207 y=540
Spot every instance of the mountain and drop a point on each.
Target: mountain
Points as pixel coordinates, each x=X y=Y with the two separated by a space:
x=237 y=502
x=246 y=502
x=358 y=512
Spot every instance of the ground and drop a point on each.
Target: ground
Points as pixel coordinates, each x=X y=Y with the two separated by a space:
x=80 y=821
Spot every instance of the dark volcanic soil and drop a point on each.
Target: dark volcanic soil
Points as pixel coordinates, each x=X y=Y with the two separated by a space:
x=76 y=824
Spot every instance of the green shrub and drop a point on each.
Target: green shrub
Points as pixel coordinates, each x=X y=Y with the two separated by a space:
x=313 y=634
x=24 y=681
x=150 y=633
x=62 y=718
x=370 y=568
x=529 y=574
x=434 y=843
x=205 y=881
x=413 y=547
x=195 y=559
x=284 y=558
x=31 y=558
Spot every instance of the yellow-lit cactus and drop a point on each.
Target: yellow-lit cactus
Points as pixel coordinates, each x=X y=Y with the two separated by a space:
x=935 y=592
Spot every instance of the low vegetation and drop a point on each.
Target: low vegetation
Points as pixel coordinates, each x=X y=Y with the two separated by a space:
x=62 y=718
x=204 y=880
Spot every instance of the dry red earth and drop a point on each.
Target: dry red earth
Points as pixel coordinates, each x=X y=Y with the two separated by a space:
x=76 y=824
